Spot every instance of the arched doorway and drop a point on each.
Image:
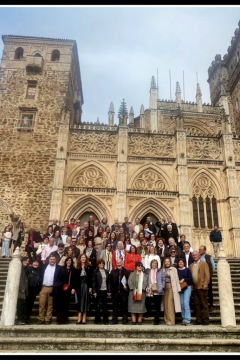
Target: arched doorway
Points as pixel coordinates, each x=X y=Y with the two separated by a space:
x=85 y=216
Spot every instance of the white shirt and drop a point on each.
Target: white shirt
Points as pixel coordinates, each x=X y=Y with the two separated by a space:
x=136 y=229
x=78 y=229
x=135 y=242
x=149 y=258
x=195 y=264
x=48 y=278
x=95 y=229
x=187 y=258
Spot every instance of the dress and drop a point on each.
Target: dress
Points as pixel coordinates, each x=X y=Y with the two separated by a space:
x=137 y=307
x=82 y=283
x=6 y=244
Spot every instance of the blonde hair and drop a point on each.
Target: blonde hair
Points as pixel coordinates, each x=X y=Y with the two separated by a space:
x=155 y=250
x=164 y=268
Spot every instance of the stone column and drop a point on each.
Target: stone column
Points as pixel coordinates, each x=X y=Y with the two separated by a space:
x=183 y=187
x=227 y=308
x=121 y=206
x=60 y=166
x=11 y=290
x=232 y=195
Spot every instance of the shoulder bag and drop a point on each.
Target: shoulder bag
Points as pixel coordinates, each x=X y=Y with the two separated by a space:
x=184 y=285
x=66 y=286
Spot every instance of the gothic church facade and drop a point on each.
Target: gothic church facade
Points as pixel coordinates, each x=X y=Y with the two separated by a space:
x=175 y=158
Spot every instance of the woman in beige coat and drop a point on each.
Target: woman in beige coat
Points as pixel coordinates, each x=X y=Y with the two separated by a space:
x=170 y=302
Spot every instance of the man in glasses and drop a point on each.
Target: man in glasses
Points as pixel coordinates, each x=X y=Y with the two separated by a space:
x=173 y=257
x=76 y=251
x=119 y=290
x=78 y=228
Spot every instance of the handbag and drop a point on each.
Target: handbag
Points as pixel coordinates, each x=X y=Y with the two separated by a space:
x=154 y=288
x=66 y=286
x=184 y=285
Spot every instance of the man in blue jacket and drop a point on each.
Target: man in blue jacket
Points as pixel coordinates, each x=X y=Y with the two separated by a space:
x=216 y=239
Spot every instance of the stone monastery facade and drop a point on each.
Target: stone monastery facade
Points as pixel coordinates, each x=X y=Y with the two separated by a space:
x=178 y=158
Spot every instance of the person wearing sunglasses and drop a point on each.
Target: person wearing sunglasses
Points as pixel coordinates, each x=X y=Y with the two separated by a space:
x=106 y=255
x=137 y=283
x=173 y=256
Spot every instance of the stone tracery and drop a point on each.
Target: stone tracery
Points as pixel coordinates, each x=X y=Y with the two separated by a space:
x=156 y=146
x=90 y=177
x=90 y=142
x=201 y=148
x=149 y=180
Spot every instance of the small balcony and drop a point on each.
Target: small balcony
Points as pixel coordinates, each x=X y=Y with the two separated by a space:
x=34 y=63
x=25 y=124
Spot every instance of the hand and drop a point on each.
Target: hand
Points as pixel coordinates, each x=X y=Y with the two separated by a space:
x=90 y=290
x=109 y=294
x=181 y=281
x=73 y=292
x=95 y=295
x=162 y=255
x=22 y=291
x=204 y=287
x=183 y=251
x=125 y=287
x=212 y=242
x=168 y=273
x=20 y=218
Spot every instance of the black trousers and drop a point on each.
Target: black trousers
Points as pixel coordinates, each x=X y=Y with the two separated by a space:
x=32 y=293
x=21 y=310
x=210 y=294
x=32 y=251
x=157 y=302
x=120 y=297
x=101 y=298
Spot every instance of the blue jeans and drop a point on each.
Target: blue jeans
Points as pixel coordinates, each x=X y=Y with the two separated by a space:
x=185 y=297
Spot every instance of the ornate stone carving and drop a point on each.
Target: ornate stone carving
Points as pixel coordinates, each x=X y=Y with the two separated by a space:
x=109 y=201
x=121 y=198
x=90 y=177
x=90 y=142
x=201 y=148
x=203 y=186
x=123 y=168
x=122 y=132
x=156 y=146
x=56 y=195
x=149 y=180
x=236 y=150
x=69 y=200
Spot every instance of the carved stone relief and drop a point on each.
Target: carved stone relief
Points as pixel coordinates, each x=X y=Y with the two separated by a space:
x=93 y=143
x=203 y=186
x=90 y=177
x=149 y=180
x=236 y=150
x=159 y=146
x=202 y=149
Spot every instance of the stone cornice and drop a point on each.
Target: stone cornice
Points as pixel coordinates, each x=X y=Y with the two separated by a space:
x=91 y=190
x=101 y=156
x=156 y=159
x=152 y=192
x=205 y=162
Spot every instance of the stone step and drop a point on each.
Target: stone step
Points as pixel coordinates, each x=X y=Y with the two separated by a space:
x=119 y=345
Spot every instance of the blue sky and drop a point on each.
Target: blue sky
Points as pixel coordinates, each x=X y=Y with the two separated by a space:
x=120 y=48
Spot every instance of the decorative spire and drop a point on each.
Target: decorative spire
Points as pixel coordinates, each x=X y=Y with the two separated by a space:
x=178 y=90
x=153 y=83
x=98 y=122
x=142 y=110
x=111 y=109
x=123 y=109
x=198 y=90
x=131 y=111
x=142 y=118
x=178 y=94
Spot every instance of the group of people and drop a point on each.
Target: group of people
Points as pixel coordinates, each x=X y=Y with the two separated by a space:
x=141 y=267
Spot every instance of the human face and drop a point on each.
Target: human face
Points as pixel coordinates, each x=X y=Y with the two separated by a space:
x=167 y=263
x=83 y=259
x=154 y=264
x=35 y=264
x=74 y=232
x=139 y=267
x=101 y=265
x=72 y=221
x=136 y=221
x=196 y=256
x=69 y=240
x=183 y=238
x=66 y=224
x=25 y=263
x=151 y=249
x=181 y=264
x=215 y=227
x=51 y=241
x=109 y=247
x=54 y=221
x=169 y=219
x=78 y=223
x=81 y=240
x=115 y=220
x=69 y=263
x=132 y=249
x=61 y=249
x=201 y=250
x=121 y=230
x=108 y=229
x=148 y=219
x=52 y=260
x=160 y=243
x=70 y=253
x=113 y=236
x=90 y=244
x=100 y=230
x=85 y=225
x=119 y=246
x=171 y=241
x=45 y=241
x=57 y=233
x=173 y=253
x=144 y=243
x=119 y=264
x=130 y=226
x=126 y=220
x=104 y=235
x=50 y=230
x=152 y=237
x=90 y=218
x=90 y=233
x=74 y=242
x=134 y=235
x=186 y=248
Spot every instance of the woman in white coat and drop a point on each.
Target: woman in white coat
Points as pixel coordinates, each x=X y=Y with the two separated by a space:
x=171 y=302
x=152 y=255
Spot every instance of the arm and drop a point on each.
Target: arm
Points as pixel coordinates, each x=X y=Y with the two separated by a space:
x=39 y=250
x=159 y=261
x=220 y=235
x=44 y=254
x=94 y=274
x=130 y=283
x=212 y=263
x=211 y=236
x=206 y=275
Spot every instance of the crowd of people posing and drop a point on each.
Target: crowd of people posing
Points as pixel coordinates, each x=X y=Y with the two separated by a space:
x=140 y=267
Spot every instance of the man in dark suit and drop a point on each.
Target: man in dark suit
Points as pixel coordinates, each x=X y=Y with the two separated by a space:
x=172 y=244
x=51 y=275
x=76 y=251
x=55 y=226
x=174 y=228
x=119 y=292
x=187 y=254
x=66 y=225
x=151 y=226
x=125 y=225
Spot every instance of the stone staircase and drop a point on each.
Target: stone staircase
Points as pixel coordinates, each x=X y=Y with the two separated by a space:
x=55 y=338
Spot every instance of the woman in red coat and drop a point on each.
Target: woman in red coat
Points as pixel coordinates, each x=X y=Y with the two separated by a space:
x=119 y=253
x=132 y=258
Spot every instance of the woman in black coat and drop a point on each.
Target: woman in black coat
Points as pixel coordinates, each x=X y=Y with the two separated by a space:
x=101 y=289
x=91 y=254
x=34 y=237
x=34 y=286
x=63 y=298
x=82 y=286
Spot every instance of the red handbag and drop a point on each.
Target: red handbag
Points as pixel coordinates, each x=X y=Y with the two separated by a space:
x=66 y=286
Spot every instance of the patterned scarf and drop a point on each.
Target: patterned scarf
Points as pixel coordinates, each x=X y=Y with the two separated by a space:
x=120 y=255
x=108 y=263
x=89 y=252
x=137 y=292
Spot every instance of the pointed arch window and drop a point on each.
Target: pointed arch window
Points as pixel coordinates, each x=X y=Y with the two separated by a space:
x=195 y=211
x=204 y=212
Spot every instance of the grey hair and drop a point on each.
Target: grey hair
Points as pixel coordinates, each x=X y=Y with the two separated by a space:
x=120 y=242
x=195 y=251
x=169 y=226
x=171 y=238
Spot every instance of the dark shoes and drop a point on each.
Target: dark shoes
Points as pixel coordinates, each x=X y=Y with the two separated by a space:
x=211 y=308
x=205 y=323
x=133 y=323
x=114 y=323
x=124 y=322
x=47 y=322
x=40 y=322
x=197 y=323
x=156 y=323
